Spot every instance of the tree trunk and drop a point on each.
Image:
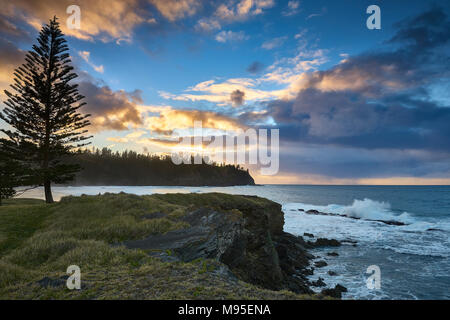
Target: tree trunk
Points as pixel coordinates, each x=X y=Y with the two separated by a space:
x=48 y=192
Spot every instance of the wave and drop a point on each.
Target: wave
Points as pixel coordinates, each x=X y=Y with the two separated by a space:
x=417 y=236
x=363 y=209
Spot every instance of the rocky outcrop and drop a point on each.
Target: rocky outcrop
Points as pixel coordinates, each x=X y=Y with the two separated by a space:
x=318 y=213
x=247 y=236
x=336 y=292
x=323 y=242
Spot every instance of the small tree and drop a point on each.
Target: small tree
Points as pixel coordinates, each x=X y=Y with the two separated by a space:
x=43 y=110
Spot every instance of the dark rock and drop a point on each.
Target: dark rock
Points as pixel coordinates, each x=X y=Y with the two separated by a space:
x=391 y=222
x=341 y=288
x=308 y=272
x=332 y=254
x=310 y=235
x=320 y=264
x=301 y=210
x=52 y=282
x=332 y=273
x=336 y=292
x=323 y=242
x=318 y=283
x=224 y=272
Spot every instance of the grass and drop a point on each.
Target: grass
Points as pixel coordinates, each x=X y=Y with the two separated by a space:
x=20 y=218
x=38 y=240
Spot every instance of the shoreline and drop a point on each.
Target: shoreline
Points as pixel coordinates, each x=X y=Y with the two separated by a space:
x=233 y=239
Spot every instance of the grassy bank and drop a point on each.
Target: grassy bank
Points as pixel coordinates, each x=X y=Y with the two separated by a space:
x=39 y=241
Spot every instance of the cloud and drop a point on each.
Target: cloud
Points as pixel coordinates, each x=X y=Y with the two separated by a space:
x=373 y=115
x=130 y=137
x=237 y=97
x=176 y=9
x=220 y=92
x=289 y=72
x=274 y=43
x=85 y=55
x=10 y=58
x=255 y=67
x=10 y=31
x=292 y=8
x=233 y=11
x=168 y=119
x=314 y=15
x=104 y=19
x=362 y=166
x=111 y=110
x=230 y=36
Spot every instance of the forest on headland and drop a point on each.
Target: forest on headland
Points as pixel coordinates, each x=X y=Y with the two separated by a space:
x=129 y=168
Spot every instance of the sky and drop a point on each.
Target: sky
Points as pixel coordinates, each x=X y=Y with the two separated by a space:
x=353 y=105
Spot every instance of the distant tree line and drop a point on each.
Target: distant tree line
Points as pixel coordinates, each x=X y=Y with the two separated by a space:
x=128 y=168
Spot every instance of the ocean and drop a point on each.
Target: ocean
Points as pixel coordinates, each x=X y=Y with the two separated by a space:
x=413 y=259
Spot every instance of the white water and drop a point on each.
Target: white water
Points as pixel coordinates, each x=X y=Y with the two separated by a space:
x=415 y=237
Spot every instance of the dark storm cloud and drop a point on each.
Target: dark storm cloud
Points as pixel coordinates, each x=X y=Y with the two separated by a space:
x=255 y=68
x=378 y=99
x=424 y=31
x=341 y=162
x=237 y=97
x=351 y=120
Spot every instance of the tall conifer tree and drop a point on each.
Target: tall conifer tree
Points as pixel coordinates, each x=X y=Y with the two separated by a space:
x=43 y=110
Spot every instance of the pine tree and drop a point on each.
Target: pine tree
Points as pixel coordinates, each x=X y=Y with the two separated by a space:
x=44 y=110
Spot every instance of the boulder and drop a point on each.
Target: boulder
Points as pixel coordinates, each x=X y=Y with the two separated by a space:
x=320 y=264
x=336 y=292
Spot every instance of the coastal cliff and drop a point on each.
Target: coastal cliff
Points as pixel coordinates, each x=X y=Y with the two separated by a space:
x=161 y=246
x=243 y=232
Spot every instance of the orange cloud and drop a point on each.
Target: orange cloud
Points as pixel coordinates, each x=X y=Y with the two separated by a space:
x=111 y=110
x=170 y=119
x=176 y=9
x=106 y=19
